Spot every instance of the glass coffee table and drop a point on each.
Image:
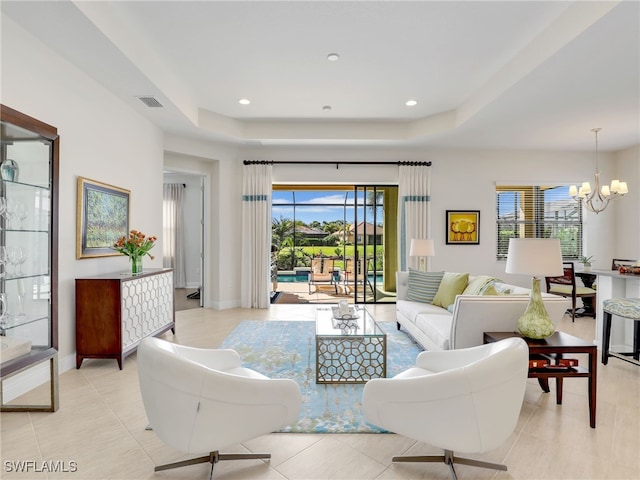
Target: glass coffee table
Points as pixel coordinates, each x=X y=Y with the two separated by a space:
x=350 y=348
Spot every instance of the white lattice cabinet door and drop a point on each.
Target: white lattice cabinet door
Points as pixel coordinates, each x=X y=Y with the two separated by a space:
x=147 y=307
x=115 y=312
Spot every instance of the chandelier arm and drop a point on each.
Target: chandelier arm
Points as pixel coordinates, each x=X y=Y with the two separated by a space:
x=596 y=201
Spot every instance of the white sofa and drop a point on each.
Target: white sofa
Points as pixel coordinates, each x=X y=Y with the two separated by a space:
x=436 y=328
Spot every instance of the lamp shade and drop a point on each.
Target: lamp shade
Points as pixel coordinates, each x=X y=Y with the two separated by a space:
x=421 y=247
x=539 y=257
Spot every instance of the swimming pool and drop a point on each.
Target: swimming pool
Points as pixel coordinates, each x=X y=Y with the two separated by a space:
x=292 y=278
x=303 y=277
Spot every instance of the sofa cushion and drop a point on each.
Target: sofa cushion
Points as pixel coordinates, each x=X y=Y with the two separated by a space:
x=423 y=286
x=412 y=309
x=477 y=284
x=436 y=327
x=452 y=284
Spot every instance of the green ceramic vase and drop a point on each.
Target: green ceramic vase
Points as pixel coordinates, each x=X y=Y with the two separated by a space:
x=535 y=321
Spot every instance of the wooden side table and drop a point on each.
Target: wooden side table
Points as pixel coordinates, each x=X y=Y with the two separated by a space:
x=553 y=348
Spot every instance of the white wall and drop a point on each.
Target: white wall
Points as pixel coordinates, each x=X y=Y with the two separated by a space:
x=101 y=139
x=627 y=214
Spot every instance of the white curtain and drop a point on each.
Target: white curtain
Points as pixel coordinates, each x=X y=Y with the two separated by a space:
x=256 y=236
x=414 y=207
x=173 y=253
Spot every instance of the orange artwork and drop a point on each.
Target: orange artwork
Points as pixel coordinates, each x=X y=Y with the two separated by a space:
x=463 y=227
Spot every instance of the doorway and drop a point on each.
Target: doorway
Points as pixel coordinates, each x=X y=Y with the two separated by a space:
x=183 y=238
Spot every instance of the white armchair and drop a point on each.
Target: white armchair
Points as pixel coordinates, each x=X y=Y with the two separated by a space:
x=460 y=400
x=202 y=400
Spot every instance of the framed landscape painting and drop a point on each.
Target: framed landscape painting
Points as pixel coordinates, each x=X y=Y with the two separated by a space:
x=102 y=218
x=463 y=227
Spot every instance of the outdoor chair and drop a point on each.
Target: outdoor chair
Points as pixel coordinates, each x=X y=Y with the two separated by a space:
x=322 y=273
x=355 y=273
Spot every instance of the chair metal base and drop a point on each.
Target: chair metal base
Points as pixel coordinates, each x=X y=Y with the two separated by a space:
x=213 y=458
x=449 y=458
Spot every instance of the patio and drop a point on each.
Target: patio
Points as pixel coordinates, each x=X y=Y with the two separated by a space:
x=327 y=293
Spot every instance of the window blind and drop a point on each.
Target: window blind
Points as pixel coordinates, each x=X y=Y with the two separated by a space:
x=538 y=211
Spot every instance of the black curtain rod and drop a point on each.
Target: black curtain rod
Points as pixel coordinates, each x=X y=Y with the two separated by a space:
x=313 y=162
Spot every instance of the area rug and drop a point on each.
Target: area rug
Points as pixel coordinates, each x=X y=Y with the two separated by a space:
x=280 y=349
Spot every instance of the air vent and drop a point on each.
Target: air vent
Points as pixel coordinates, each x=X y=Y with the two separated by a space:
x=150 y=101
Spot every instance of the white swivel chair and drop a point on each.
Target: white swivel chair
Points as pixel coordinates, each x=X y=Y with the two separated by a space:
x=460 y=400
x=202 y=400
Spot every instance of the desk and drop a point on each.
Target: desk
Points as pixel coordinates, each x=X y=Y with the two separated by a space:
x=553 y=349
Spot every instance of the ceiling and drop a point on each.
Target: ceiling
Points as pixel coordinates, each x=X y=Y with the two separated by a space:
x=506 y=75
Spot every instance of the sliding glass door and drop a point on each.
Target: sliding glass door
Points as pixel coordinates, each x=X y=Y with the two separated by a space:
x=352 y=228
x=375 y=242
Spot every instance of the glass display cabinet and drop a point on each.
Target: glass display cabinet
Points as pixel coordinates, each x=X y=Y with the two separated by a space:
x=28 y=250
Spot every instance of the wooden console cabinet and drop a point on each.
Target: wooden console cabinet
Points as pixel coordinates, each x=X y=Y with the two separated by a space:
x=114 y=312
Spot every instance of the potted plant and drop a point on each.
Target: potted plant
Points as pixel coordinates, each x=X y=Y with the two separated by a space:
x=586 y=263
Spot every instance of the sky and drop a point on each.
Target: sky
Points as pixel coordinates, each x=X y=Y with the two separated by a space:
x=317 y=205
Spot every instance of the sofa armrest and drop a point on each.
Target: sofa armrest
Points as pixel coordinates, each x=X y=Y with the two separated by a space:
x=475 y=314
x=402 y=285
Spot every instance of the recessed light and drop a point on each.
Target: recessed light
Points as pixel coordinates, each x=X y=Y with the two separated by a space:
x=411 y=103
x=333 y=57
x=326 y=108
x=244 y=101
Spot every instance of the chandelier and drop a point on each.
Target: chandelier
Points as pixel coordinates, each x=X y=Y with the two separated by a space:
x=596 y=200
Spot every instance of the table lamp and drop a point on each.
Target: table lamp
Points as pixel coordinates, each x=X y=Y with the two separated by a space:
x=422 y=247
x=539 y=257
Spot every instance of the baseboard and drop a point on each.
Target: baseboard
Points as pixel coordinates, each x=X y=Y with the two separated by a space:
x=223 y=305
x=26 y=381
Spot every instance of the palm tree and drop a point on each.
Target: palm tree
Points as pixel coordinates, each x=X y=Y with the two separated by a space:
x=374 y=198
x=281 y=229
x=290 y=255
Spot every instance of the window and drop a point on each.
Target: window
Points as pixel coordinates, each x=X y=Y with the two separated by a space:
x=532 y=211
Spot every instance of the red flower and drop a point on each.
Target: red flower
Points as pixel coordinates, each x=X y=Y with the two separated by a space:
x=136 y=245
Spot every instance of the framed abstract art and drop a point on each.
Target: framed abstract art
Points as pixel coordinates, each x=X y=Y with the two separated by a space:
x=463 y=227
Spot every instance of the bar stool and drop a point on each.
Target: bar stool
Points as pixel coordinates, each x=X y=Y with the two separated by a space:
x=627 y=308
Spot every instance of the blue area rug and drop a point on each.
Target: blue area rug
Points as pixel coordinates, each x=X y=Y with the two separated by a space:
x=281 y=349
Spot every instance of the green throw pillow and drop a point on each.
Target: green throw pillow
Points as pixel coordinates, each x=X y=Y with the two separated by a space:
x=452 y=284
x=476 y=285
x=491 y=290
x=423 y=286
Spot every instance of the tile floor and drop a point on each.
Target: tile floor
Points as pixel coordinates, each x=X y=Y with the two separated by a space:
x=101 y=426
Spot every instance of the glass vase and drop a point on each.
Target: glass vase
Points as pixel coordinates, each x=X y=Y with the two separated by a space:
x=136 y=265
